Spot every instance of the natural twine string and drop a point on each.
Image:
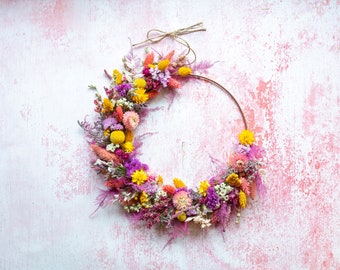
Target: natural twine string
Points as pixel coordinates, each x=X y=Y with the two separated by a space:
x=156 y=35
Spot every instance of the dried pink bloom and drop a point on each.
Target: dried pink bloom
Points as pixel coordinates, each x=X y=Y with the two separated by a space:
x=245 y=186
x=130 y=120
x=181 y=200
x=238 y=161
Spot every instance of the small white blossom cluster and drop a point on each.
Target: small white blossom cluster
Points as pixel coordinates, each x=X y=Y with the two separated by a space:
x=159 y=194
x=223 y=190
x=125 y=103
x=112 y=147
x=199 y=220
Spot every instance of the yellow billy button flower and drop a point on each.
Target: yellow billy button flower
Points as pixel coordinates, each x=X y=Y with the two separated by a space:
x=246 y=137
x=242 y=199
x=139 y=177
x=233 y=180
x=140 y=96
x=179 y=183
x=128 y=147
x=202 y=189
x=163 y=64
x=117 y=76
x=117 y=137
x=140 y=83
x=182 y=217
x=184 y=71
x=107 y=105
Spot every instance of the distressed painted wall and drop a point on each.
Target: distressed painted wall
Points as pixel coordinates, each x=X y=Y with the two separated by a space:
x=281 y=61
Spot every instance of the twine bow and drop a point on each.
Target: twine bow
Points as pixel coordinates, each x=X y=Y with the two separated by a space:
x=156 y=35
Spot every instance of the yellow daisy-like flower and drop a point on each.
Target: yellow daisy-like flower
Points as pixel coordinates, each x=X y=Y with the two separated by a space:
x=140 y=96
x=128 y=147
x=117 y=137
x=140 y=83
x=246 y=137
x=233 y=180
x=184 y=71
x=202 y=189
x=160 y=180
x=107 y=105
x=163 y=64
x=139 y=177
x=242 y=199
x=117 y=76
x=143 y=198
x=179 y=183
x=182 y=217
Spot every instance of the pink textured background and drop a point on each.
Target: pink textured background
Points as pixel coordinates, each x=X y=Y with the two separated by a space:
x=280 y=60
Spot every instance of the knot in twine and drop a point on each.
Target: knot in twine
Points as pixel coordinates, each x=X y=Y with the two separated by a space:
x=156 y=35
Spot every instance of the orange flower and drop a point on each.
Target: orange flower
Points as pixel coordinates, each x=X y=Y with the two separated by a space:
x=170 y=190
x=149 y=59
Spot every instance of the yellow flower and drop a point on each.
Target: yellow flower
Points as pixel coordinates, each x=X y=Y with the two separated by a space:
x=117 y=137
x=184 y=71
x=106 y=132
x=233 y=180
x=204 y=185
x=107 y=105
x=178 y=183
x=139 y=177
x=140 y=96
x=128 y=147
x=246 y=137
x=117 y=76
x=182 y=217
x=143 y=198
x=242 y=199
x=140 y=83
x=128 y=136
x=160 y=180
x=163 y=64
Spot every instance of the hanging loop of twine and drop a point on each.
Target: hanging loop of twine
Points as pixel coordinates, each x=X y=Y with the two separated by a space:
x=156 y=35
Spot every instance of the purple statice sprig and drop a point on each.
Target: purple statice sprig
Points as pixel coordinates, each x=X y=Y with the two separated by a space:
x=123 y=89
x=212 y=200
x=162 y=76
x=133 y=165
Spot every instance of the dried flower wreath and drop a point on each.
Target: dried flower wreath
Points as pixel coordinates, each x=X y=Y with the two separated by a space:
x=130 y=182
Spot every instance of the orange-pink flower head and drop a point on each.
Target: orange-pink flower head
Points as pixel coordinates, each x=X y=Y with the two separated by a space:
x=181 y=200
x=130 y=120
x=238 y=161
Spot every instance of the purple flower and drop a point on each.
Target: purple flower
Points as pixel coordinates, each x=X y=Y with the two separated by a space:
x=212 y=198
x=134 y=164
x=123 y=88
x=109 y=122
x=117 y=127
x=242 y=149
x=158 y=75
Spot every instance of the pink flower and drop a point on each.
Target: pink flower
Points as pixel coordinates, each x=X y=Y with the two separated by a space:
x=238 y=161
x=181 y=200
x=130 y=120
